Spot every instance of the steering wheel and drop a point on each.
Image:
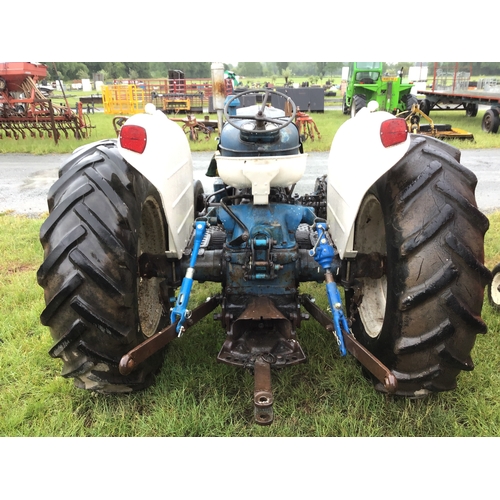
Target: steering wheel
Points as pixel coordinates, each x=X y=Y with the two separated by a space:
x=260 y=118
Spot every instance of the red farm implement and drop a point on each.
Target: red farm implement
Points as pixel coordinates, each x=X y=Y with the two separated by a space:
x=26 y=112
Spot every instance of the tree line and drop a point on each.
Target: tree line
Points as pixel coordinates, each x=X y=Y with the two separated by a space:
x=134 y=70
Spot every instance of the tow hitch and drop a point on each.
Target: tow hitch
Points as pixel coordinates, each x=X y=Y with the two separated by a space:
x=263 y=396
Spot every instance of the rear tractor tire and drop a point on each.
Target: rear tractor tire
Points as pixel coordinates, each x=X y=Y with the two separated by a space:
x=421 y=318
x=103 y=215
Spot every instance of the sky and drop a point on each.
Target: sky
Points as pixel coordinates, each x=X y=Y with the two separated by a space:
x=244 y=33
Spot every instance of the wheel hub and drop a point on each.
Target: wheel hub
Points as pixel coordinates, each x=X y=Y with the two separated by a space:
x=151 y=240
x=370 y=237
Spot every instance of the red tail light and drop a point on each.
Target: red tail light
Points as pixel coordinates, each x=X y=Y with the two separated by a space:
x=133 y=137
x=393 y=131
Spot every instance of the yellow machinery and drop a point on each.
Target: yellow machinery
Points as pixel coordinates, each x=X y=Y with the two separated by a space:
x=437 y=131
x=176 y=104
x=123 y=99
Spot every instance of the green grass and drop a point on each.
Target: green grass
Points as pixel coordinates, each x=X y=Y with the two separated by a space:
x=196 y=396
x=327 y=123
x=492 y=241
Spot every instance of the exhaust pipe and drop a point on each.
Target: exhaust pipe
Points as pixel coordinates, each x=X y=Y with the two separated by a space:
x=218 y=91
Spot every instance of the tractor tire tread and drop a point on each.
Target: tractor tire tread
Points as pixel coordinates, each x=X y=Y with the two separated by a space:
x=435 y=287
x=89 y=271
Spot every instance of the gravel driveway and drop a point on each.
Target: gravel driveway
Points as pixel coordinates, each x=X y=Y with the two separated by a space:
x=25 y=179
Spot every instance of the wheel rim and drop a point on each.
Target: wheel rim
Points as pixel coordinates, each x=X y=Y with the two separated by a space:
x=487 y=122
x=151 y=240
x=491 y=121
x=494 y=290
x=370 y=237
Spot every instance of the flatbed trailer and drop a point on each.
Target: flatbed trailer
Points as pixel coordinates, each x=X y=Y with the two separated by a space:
x=454 y=92
x=449 y=101
x=468 y=100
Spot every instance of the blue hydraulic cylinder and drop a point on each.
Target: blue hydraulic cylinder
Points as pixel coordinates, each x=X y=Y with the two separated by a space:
x=323 y=254
x=180 y=312
x=339 y=319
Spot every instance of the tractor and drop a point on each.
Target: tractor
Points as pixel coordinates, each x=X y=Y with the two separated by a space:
x=366 y=82
x=391 y=233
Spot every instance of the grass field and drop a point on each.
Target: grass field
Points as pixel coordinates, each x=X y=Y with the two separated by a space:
x=196 y=396
x=327 y=123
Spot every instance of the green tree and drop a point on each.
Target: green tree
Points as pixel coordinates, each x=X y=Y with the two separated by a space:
x=141 y=69
x=286 y=73
x=115 y=69
x=190 y=69
x=94 y=67
x=321 y=68
x=104 y=74
x=281 y=66
x=158 y=69
x=66 y=70
x=250 y=69
x=81 y=74
x=485 y=68
x=334 y=68
x=303 y=68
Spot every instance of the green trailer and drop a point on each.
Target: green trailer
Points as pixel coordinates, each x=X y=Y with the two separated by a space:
x=366 y=82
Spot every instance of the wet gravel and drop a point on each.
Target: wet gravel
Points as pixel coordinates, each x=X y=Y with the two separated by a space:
x=26 y=179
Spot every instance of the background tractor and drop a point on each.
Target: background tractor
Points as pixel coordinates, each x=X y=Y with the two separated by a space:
x=394 y=223
x=366 y=82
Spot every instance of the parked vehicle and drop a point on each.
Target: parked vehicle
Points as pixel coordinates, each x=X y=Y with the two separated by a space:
x=366 y=82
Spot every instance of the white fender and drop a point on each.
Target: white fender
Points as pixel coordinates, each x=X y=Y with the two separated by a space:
x=166 y=162
x=356 y=161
